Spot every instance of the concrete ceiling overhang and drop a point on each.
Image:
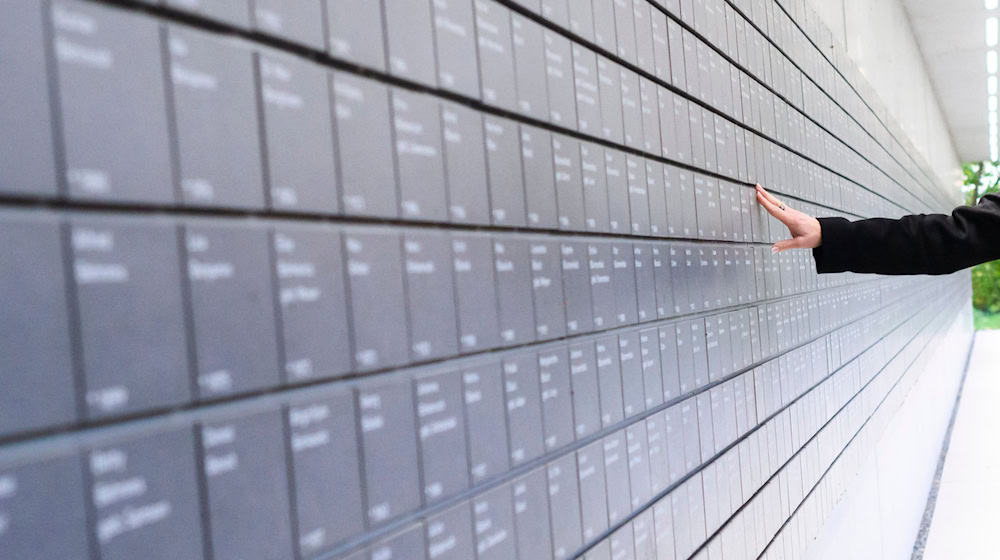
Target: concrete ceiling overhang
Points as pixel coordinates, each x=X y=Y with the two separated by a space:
x=952 y=39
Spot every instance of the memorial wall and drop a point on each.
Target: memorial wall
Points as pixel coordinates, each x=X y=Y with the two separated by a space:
x=439 y=279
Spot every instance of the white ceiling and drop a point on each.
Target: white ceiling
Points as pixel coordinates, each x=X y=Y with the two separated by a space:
x=951 y=34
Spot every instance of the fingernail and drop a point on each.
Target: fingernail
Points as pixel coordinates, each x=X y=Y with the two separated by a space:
x=774 y=249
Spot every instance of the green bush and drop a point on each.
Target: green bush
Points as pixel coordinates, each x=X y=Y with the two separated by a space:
x=986 y=287
x=984 y=321
x=983 y=178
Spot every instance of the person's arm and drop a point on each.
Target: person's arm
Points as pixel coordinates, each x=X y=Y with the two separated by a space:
x=914 y=244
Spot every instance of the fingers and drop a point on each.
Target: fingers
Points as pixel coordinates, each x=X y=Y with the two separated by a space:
x=795 y=243
x=782 y=207
x=773 y=209
x=767 y=204
x=768 y=195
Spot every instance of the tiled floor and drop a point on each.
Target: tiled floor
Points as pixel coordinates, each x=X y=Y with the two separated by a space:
x=967 y=518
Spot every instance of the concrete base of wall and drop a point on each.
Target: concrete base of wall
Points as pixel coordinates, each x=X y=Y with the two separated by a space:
x=880 y=515
x=965 y=516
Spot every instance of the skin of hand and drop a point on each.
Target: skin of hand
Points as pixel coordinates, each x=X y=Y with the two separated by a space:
x=805 y=229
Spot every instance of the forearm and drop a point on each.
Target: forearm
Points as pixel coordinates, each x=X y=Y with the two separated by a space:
x=915 y=244
x=867 y=246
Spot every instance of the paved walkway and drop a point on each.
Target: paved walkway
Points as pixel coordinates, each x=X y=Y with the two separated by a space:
x=966 y=521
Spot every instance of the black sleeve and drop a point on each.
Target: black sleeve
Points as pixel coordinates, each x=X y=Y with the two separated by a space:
x=915 y=244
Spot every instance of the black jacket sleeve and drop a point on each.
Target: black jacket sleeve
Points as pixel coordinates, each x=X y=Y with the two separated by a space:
x=915 y=244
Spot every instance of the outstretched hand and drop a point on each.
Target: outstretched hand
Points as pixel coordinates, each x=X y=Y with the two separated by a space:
x=805 y=229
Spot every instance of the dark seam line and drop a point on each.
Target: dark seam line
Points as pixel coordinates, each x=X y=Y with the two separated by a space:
x=693 y=99
x=826 y=471
x=809 y=390
x=520 y=118
x=920 y=543
x=718 y=455
x=819 y=87
x=835 y=102
x=181 y=210
x=170 y=15
x=374 y=534
x=482 y=354
x=65 y=250
x=174 y=15
x=862 y=98
x=778 y=95
x=763 y=83
x=55 y=100
x=203 y=499
x=539 y=462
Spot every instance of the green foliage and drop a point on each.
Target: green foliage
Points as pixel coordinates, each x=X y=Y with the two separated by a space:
x=983 y=178
x=985 y=321
x=980 y=178
x=986 y=287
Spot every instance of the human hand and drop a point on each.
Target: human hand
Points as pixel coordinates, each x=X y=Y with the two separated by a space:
x=805 y=230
